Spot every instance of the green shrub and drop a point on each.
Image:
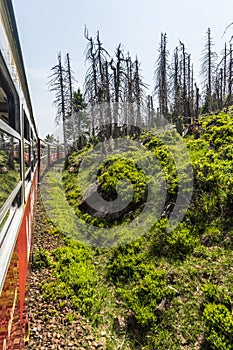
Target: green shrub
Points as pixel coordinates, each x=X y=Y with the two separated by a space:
x=41 y=259
x=124 y=264
x=56 y=290
x=175 y=244
x=72 y=253
x=146 y=295
x=218 y=327
x=217 y=295
x=212 y=236
x=75 y=278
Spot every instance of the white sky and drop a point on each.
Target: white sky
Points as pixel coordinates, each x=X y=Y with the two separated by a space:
x=49 y=26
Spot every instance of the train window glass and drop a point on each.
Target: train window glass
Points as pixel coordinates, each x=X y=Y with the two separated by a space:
x=26 y=128
x=53 y=153
x=43 y=157
x=9 y=100
x=35 y=149
x=4 y=111
x=27 y=156
x=9 y=165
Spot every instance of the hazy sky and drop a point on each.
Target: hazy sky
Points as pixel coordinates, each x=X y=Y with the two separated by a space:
x=49 y=26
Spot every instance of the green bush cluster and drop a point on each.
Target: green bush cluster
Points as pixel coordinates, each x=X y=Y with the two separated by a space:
x=141 y=285
x=213 y=164
x=124 y=169
x=175 y=244
x=125 y=263
x=162 y=153
x=218 y=322
x=145 y=296
x=74 y=278
x=217 y=317
x=128 y=174
x=216 y=294
x=41 y=259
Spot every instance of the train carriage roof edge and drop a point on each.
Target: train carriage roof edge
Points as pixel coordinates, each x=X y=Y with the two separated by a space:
x=9 y=22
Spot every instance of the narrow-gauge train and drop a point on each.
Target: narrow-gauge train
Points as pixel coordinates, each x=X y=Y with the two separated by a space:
x=23 y=159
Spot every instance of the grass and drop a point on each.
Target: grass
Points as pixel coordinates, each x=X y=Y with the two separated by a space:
x=58 y=209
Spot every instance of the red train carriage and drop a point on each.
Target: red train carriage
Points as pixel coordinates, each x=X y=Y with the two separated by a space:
x=18 y=182
x=19 y=168
x=23 y=158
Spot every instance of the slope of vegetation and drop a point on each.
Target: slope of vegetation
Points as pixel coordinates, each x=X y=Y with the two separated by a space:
x=162 y=290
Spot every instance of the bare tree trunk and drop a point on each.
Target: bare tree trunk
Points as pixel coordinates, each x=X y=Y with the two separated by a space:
x=71 y=110
x=161 y=77
x=221 y=89
x=197 y=98
x=176 y=86
x=137 y=94
x=129 y=96
x=225 y=72
x=63 y=109
x=230 y=77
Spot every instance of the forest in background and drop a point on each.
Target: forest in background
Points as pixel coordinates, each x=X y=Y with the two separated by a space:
x=116 y=95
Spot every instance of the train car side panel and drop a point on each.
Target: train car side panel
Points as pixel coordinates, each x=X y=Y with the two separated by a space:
x=24 y=242
x=11 y=332
x=13 y=307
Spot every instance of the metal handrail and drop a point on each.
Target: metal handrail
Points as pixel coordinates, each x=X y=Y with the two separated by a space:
x=7 y=245
x=6 y=228
x=8 y=203
x=9 y=130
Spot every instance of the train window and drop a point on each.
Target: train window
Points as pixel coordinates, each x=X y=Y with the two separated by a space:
x=9 y=100
x=43 y=149
x=43 y=157
x=27 y=130
x=27 y=159
x=9 y=165
x=4 y=109
x=53 y=153
x=34 y=156
x=35 y=149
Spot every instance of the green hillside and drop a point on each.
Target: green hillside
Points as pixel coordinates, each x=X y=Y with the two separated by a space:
x=157 y=288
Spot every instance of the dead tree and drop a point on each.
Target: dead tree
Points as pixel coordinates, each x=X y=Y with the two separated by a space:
x=139 y=93
x=58 y=85
x=91 y=83
x=161 y=78
x=70 y=108
x=225 y=71
x=176 y=87
x=128 y=95
x=208 y=68
x=118 y=88
x=197 y=102
x=150 y=113
x=230 y=74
